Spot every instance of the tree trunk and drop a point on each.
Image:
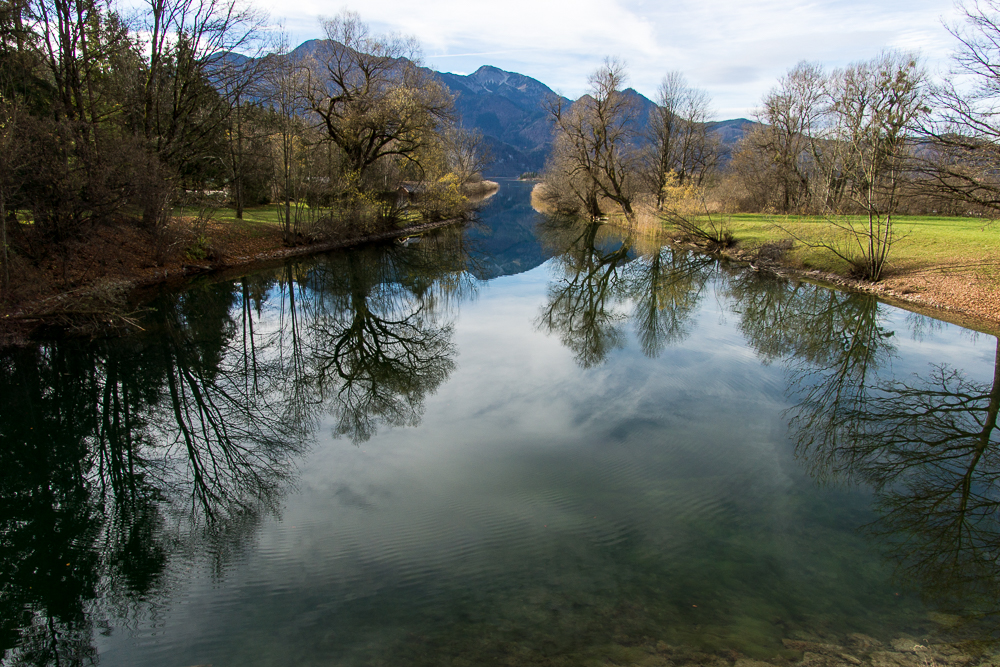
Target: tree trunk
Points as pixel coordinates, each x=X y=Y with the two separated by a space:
x=4 y=255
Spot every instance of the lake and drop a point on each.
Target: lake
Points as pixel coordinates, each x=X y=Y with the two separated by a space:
x=530 y=441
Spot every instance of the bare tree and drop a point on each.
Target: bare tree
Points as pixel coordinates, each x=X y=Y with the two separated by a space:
x=371 y=98
x=854 y=130
x=73 y=37
x=964 y=150
x=664 y=128
x=875 y=106
x=593 y=137
x=194 y=46
x=790 y=116
x=243 y=88
x=680 y=145
x=467 y=153
x=284 y=80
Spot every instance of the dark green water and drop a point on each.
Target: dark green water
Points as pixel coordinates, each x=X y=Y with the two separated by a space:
x=528 y=442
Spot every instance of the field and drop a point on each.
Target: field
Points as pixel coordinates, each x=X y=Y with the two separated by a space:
x=924 y=243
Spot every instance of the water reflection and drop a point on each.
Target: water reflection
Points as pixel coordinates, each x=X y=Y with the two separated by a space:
x=584 y=307
x=111 y=448
x=120 y=457
x=833 y=342
x=666 y=287
x=609 y=279
x=118 y=454
x=928 y=446
x=930 y=449
x=503 y=234
x=371 y=334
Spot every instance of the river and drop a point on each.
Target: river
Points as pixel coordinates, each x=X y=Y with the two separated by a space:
x=528 y=441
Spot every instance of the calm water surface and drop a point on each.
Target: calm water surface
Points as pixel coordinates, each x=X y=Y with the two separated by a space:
x=531 y=441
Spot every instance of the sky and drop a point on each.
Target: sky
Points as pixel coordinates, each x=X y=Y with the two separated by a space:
x=736 y=51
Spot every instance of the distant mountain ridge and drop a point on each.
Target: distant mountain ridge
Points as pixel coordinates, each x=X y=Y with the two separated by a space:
x=512 y=112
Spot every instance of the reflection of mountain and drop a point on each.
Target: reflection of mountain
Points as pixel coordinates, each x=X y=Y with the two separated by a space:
x=504 y=240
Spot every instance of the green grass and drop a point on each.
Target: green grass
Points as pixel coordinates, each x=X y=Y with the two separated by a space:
x=923 y=242
x=267 y=214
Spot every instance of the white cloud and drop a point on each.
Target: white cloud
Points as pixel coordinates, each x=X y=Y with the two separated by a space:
x=735 y=50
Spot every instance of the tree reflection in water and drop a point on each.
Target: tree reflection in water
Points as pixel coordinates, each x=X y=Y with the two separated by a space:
x=834 y=343
x=118 y=454
x=373 y=331
x=604 y=271
x=113 y=442
x=930 y=449
x=928 y=446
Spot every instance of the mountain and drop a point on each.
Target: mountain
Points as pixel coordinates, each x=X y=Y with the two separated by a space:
x=512 y=112
x=730 y=132
x=644 y=107
x=306 y=49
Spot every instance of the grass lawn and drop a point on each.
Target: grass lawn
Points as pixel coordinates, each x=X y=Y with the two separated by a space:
x=923 y=242
x=262 y=214
x=268 y=214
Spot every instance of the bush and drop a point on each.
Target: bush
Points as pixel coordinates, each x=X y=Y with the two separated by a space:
x=442 y=199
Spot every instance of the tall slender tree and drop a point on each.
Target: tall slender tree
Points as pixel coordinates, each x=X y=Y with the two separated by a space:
x=680 y=145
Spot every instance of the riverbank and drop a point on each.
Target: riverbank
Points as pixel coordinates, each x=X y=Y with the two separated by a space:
x=942 y=266
x=90 y=287
x=967 y=294
x=946 y=268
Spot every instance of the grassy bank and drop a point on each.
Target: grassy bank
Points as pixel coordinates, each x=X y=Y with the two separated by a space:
x=946 y=267
x=261 y=214
x=923 y=242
